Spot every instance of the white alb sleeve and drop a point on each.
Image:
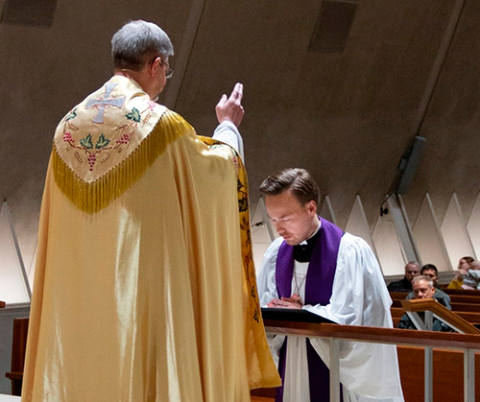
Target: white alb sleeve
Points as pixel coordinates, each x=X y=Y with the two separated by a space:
x=266 y=284
x=228 y=133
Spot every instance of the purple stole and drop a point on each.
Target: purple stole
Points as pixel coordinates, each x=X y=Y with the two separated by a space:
x=318 y=290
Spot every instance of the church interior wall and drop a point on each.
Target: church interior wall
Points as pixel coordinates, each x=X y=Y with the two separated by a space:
x=346 y=116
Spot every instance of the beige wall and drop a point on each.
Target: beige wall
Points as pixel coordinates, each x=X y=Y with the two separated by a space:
x=347 y=116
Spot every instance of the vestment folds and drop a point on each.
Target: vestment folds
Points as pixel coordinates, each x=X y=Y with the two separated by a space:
x=369 y=372
x=144 y=287
x=318 y=290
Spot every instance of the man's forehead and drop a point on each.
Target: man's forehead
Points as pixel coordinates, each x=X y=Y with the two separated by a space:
x=280 y=215
x=412 y=267
x=282 y=204
x=422 y=283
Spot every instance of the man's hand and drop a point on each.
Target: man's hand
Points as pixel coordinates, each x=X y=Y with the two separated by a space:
x=293 y=302
x=230 y=108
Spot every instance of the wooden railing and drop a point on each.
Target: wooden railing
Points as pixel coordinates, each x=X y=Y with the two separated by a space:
x=2 y=304
x=461 y=292
x=466 y=343
x=472 y=318
x=441 y=312
x=465 y=296
x=374 y=334
x=464 y=302
x=19 y=345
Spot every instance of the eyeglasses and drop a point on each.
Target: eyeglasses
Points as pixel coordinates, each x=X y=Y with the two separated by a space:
x=169 y=71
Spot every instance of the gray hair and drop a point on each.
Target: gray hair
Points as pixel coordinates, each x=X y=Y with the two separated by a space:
x=424 y=278
x=416 y=263
x=137 y=42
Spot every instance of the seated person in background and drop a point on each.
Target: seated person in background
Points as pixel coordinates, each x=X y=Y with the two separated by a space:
x=471 y=281
x=412 y=269
x=431 y=271
x=463 y=267
x=423 y=288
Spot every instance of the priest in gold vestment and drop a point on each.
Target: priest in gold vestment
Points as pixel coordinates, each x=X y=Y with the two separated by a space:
x=145 y=286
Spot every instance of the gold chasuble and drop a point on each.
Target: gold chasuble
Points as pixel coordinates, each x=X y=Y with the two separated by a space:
x=145 y=286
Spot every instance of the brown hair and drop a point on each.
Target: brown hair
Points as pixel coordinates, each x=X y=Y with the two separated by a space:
x=429 y=267
x=299 y=181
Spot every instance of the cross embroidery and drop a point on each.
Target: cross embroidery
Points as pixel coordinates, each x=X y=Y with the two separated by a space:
x=101 y=104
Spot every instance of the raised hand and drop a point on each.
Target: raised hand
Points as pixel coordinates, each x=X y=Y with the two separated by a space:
x=230 y=108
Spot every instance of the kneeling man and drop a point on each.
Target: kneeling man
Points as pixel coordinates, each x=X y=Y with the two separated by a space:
x=317 y=267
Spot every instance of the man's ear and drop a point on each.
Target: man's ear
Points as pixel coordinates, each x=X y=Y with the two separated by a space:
x=312 y=207
x=154 y=66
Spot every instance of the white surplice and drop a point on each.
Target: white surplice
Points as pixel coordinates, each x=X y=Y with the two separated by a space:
x=369 y=372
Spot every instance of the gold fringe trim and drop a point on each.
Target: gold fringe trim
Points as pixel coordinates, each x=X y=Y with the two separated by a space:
x=94 y=196
x=262 y=372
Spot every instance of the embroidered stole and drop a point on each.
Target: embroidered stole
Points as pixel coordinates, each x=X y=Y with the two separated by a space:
x=318 y=290
x=104 y=144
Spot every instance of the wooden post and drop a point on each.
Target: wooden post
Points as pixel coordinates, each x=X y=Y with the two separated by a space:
x=19 y=344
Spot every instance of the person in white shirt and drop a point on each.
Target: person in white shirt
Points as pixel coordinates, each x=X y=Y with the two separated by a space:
x=317 y=267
